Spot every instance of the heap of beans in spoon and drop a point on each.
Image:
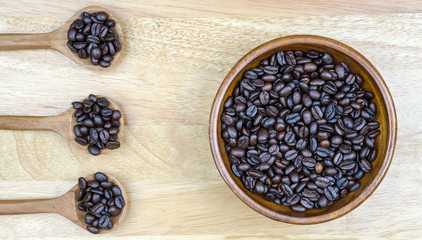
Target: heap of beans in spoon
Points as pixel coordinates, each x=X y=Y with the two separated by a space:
x=101 y=200
x=299 y=129
x=93 y=36
x=97 y=124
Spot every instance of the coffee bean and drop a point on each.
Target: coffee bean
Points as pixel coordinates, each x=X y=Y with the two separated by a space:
x=71 y=34
x=81 y=141
x=93 y=150
x=354 y=187
x=309 y=162
x=298 y=208
x=96 y=198
x=89 y=218
x=322 y=182
x=82 y=183
x=93 y=230
x=100 y=177
x=119 y=202
x=113 y=145
x=114 y=211
x=322 y=202
x=306 y=203
x=116 y=190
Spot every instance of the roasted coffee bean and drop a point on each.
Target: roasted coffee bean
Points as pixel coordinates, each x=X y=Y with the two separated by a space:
x=309 y=162
x=290 y=155
x=116 y=190
x=319 y=168
x=82 y=183
x=330 y=193
x=89 y=218
x=307 y=203
x=298 y=208
x=322 y=182
x=322 y=202
x=80 y=195
x=354 y=187
x=93 y=230
x=100 y=177
x=94 y=150
x=81 y=141
x=119 y=202
x=297 y=121
x=114 y=211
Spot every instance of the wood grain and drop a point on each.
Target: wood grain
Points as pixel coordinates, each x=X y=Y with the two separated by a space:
x=216 y=8
x=168 y=78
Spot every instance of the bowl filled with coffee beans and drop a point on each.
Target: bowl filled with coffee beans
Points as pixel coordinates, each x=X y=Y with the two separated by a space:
x=303 y=129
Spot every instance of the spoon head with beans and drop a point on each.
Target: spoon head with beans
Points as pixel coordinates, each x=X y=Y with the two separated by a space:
x=60 y=39
x=69 y=205
x=65 y=123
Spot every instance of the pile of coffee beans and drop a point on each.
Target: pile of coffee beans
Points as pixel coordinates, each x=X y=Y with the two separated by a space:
x=299 y=129
x=101 y=199
x=98 y=125
x=92 y=36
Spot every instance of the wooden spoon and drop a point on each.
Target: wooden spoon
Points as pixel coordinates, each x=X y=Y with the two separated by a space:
x=65 y=205
x=61 y=124
x=58 y=39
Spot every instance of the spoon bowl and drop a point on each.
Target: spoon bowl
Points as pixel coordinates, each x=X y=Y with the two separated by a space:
x=65 y=205
x=58 y=39
x=62 y=124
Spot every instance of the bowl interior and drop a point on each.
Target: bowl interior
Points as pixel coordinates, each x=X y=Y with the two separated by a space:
x=372 y=82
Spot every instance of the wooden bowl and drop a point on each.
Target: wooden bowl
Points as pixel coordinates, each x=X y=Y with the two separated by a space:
x=385 y=142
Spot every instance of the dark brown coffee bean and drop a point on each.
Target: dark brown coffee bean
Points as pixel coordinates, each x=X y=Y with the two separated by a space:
x=354 y=187
x=82 y=183
x=322 y=202
x=306 y=203
x=104 y=64
x=119 y=202
x=309 y=162
x=330 y=193
x=112 y=138
x=347 y=165
x=100 y=177
x=93 y=150
x=81 y=141
x=322 y=182
x=80 y=195
x=104 y=136
x=89 y=218
x=93 y=230
x=96 y=53
x=71 y=34
x=114 y=211
x=298 y=208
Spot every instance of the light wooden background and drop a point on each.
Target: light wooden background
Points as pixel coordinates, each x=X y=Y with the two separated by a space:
x=177 y=54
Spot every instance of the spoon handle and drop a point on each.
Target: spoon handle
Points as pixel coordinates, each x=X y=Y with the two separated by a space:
x=28 y=41
x=9 y=207
x=28 y=123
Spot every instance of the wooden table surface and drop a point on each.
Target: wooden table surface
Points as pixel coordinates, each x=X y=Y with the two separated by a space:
x=177 y=54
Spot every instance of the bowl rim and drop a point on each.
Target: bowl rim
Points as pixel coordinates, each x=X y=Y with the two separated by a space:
x=258 y=51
